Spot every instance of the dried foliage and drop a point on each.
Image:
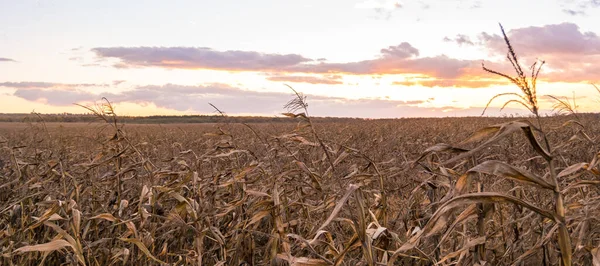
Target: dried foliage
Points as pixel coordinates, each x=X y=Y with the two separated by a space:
x=381 y=192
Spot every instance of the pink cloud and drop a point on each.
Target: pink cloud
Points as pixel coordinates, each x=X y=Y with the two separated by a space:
x=46 y=85
x=227 y=98
x=565 y=38
x=198 y=58
x=399 y=59
x=403 y=50
x=571 y=55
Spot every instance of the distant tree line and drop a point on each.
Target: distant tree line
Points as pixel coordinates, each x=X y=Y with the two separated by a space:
x=183 y=119
x=159 y=119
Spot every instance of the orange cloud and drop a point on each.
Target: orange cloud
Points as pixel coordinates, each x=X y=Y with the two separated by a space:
x=571 y=56
x=195 y=99
x=331 y=80
x=458 y=83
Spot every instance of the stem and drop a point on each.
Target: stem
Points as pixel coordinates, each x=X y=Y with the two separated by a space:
x=563 y=234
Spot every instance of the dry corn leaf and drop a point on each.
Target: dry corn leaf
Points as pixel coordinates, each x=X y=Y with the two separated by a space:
x=303 y=141
x=375 y=233
x=77 y=248
x=501 y=131
x=302 y=261
x=440 y=147
x=595 y=256
x=308 y=245
x=76 y=220
x=464 y=248
x=227 y=154
x=572 y=169
x=440 y=217
x=581 y=184
x=131 y=228
x=143 y=248
x=469 y=212
x=481 y=134
x=257 y=193
x=314 y=177
x=106 y=216
x=47 y=215
x=257 y=217
x=50 y=246
x=462 y=184
x=338 y=206
x=564 y=242
x=53 y=217
x=503 y=169
x=538 y=245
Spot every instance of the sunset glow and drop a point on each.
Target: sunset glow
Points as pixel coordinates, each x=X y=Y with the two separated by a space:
x=373 y=58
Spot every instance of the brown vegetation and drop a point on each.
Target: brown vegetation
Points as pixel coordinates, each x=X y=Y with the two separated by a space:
x=381 y=192
x=260 y=193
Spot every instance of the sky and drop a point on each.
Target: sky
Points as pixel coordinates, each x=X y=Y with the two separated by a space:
x=350 y=58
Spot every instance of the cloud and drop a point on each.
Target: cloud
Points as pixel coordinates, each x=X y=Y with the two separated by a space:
x=548 y=98
x=27 y=84
x=234 y=100
x=331 y=80
x=448 y=83
x=54 y=97
x=403 y=50
x=564 y=38
x=372 y=4
x=593 y=3
x=118 y=82
x=460 y=39
x=581 y=3
x=440 y=66
x=571 y=55
x=578 y=7
x=415 y=102
x=2 y=59
x=583 y=72
x=399 y=59
x=476 y=5
x=171 y=96
x=30 y=85
x=383 y=9
x=199 y=58
x=573 y=12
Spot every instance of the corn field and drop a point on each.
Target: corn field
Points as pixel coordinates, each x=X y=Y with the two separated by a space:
x=435 y=191
x=381 y=192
